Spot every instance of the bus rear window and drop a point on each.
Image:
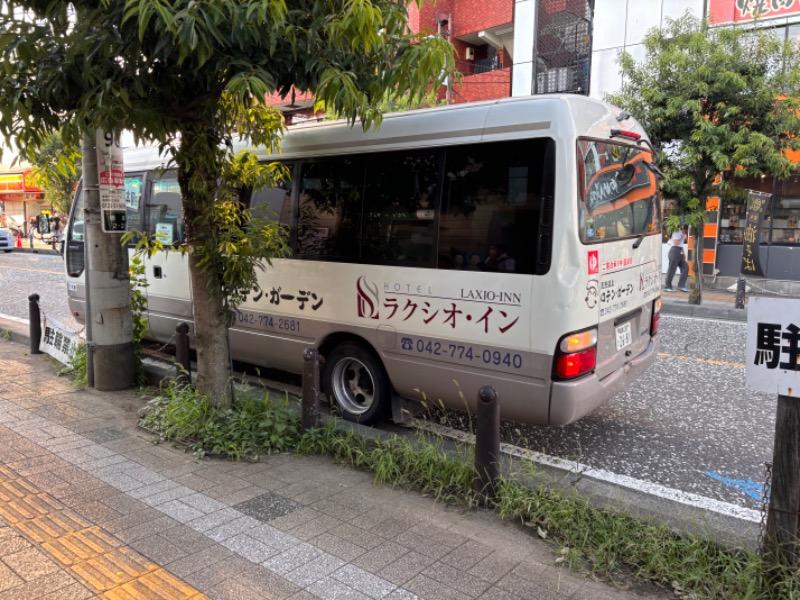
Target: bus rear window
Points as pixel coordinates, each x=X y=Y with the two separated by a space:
x=618 y=191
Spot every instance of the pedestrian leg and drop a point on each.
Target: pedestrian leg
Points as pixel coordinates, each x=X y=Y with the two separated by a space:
x=684 y=267
x=673 y=265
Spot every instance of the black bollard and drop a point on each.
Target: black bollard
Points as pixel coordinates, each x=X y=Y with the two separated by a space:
x=310 y=389
x=487 y=444
x=182 y=354
x=35 y=317
x=740 y=292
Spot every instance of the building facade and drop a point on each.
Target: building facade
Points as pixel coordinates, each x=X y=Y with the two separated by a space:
x=19 y=199
x=526 y=47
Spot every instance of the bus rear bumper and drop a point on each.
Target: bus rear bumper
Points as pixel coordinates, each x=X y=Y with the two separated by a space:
x=571 y=400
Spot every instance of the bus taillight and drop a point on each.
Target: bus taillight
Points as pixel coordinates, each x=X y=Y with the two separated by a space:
x=656 y=316
x=576 y=354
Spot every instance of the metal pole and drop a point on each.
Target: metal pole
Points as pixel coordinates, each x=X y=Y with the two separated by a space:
x=90 y=186
x=741 y=289
x=35 y=317
x=487 y=444
x=782 y=538
x=182 y=362
x=310 y=389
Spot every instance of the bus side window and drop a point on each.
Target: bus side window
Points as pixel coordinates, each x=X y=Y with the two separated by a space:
x=274 y=202
x=329 y=212
x=75 y=239
x=493 y=207
x=401 y=198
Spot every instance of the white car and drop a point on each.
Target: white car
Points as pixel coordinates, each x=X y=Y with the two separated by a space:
x=7 y=240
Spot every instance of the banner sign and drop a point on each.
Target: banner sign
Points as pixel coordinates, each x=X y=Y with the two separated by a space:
x=112 y=183
x=756 y=206
x=742 y=11
x=773 y=345
x=57 y=341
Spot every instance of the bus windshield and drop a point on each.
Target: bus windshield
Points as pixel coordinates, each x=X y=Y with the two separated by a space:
x=617 y=191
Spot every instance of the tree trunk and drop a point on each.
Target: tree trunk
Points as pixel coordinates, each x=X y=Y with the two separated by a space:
x=211 y=336
x=696 y=277
x=198 y=174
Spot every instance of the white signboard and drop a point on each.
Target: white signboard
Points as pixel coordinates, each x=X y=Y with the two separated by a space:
x=773 y=341
x=165 y=233
x=57 y=341
x=112 y=183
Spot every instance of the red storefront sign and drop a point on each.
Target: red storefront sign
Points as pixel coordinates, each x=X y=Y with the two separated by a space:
x=17 y=187
x=740 y=11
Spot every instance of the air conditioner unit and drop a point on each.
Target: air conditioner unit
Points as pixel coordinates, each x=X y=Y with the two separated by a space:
x=469 y=53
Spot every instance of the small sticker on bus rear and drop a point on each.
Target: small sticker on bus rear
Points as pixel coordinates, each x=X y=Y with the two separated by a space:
x=594 y=262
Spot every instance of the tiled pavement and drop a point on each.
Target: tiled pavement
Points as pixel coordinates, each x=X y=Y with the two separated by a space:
x=90 y=507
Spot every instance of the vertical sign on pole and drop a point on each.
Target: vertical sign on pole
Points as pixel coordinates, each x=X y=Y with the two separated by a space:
x=112 y=183
x=773 y=350
x=756 y=206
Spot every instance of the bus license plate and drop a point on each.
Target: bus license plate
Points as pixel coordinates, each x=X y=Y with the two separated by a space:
x=624 y=337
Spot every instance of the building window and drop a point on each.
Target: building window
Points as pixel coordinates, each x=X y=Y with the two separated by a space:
x=563 y=46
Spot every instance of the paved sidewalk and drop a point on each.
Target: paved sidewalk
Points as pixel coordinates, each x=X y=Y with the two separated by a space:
x=90 y=506
x=716 y=304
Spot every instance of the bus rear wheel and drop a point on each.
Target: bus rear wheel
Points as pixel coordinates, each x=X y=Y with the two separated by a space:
x=355 y=379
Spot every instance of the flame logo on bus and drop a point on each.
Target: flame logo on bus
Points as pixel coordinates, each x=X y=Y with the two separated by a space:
x=368 y=299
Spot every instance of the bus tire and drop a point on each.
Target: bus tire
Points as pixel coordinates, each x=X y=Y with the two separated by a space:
x=357 y=382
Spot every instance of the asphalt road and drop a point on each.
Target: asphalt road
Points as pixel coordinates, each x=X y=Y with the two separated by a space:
x=689 y=423
x=23 y=274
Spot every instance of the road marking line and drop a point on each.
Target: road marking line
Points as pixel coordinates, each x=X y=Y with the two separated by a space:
x=647 y=487
x=99 y=560
x=707 y=361
x=10 y=268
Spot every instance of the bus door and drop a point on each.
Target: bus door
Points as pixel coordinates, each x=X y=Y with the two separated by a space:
x=168 y=291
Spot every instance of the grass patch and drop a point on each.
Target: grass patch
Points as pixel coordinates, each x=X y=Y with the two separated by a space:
x=75 y=369
x=606 y=543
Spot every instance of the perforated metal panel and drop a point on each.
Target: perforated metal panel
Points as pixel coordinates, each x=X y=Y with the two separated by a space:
x=563 y=46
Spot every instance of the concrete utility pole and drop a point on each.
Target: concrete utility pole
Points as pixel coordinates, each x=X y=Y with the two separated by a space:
x=109 y=322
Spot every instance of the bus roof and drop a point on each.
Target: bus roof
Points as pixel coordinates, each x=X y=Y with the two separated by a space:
x=562 y=116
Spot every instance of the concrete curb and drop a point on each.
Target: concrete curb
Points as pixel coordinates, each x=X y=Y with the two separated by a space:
x=36 y=251
x=704 y=312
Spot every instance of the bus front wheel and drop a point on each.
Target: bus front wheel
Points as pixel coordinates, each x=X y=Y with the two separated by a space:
x=355 y=379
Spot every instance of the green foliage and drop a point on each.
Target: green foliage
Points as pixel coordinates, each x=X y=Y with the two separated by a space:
x=76 y=368
x=714 y=100
x=139 y=313
x=193 y=76
x=615 y=545
x=256 y=424
x=56 y=170
x=718 y=103
x=609 y=543
x=391 y=103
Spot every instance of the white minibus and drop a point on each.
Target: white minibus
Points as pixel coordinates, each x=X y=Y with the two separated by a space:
x=514 y=243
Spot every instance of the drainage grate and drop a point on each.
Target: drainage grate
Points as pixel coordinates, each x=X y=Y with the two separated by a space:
x=268 y=506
